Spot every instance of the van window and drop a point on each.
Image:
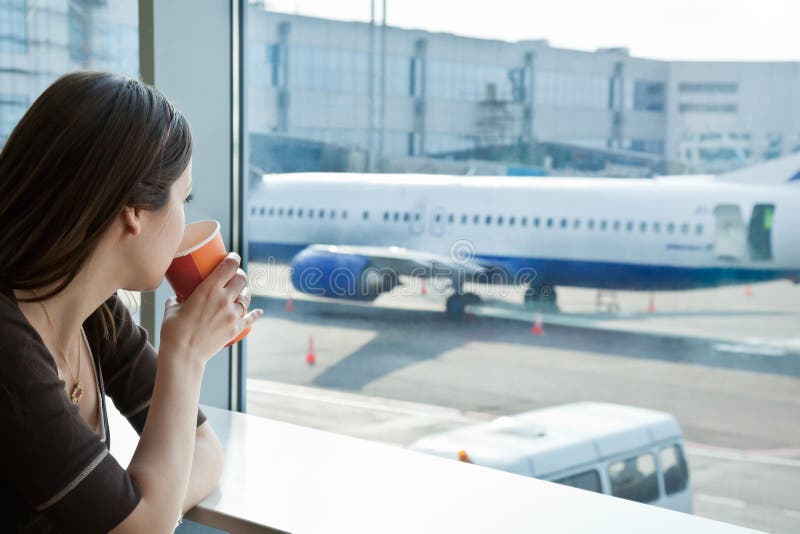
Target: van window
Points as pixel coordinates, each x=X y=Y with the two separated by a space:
x=588 y=480
x=634 y=478
x=676 y=473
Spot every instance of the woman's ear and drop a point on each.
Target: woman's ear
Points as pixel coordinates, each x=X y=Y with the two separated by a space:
x=132 y=220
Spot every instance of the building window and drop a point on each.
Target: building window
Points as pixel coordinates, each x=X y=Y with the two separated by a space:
x=707 y=108
x=648 y=96
x=708 y=87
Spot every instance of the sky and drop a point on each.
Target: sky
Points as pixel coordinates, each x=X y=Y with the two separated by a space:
x=733 y=30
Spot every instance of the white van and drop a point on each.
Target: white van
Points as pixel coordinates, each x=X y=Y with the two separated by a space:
x=623 y=451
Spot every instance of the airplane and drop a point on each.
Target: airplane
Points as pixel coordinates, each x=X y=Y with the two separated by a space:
x=351 y=235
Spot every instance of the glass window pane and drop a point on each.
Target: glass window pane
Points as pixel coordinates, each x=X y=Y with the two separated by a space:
x=634 y=478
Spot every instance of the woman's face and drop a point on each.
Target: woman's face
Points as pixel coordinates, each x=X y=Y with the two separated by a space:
x=163 y=231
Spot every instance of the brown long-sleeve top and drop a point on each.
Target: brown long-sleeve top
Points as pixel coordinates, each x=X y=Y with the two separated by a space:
x=57 y=475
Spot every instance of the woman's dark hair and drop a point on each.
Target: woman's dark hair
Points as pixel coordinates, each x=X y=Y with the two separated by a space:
x=91 y=144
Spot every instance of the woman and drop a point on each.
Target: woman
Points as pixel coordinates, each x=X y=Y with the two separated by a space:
x=93 y=181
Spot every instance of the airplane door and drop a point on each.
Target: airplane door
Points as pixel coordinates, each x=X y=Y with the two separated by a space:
x=418 y=220
x=437 y=221
x=730 y=239
x=759 y=233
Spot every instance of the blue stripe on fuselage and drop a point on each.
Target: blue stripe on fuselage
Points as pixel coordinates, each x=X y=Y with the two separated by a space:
x=594 y=274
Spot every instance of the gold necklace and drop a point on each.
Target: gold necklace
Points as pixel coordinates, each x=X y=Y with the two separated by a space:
x=77 y=389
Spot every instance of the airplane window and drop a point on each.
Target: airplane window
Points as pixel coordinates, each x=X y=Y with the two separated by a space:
x=511 y=221
x=629 y=226
x=524 y=221
x=500 y=220
x=463 y=219
x=299 y=212
x=451 y=218
x=365 y=215
x=406 y=217
x=603 y=224
x=416 y=216
x=438 y=217
x=488 y=219
x=671 y=228
x=698 y=229
x=280 y=212
x=590 y=224
x=332 y=214
x=396 y=216
x=684 y=228
x=476 y=219
x=254 y=209
x=321 y=213
x=657 y=227
x=642 y=226
x=549 y=222
x=536 y=222
x=344 y=214
x=311 y=213
x=271 y=212
x=563 y=223
x=617 y=226
x=577 y=224
x=385 y=215
x=290 y=212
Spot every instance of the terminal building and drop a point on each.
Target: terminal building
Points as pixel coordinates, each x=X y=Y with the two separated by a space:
x=443 y=95
x=437 y=102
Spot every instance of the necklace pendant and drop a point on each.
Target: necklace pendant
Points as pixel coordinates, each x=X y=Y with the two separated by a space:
x=77 y=393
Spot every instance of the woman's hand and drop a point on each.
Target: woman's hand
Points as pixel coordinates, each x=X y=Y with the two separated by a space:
x=210 y=317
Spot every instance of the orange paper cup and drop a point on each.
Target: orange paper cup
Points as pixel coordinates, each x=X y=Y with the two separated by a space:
x=201 y=250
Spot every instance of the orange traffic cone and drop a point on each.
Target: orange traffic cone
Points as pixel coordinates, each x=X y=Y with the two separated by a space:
x=424 y=291
x=289 y=305
x=747 y=291
x=464 y=457
x=537 y=329
x=311 y=359
x=652 y=307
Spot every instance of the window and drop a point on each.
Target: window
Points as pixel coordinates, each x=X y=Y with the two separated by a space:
x=685 y=228
x=629 y=226
x=261 y=210
x=676 y=472
x=698 y=229
x=499 y=220
x=290 y=212
x=365 y=215
x=310 y=213
x=549 y=222
x=488 y=219
x=280 y=212
x=385 y=216
x=577 y=224
x=406 y=217
x=634 y=479
x=463 y=219
x=617 y=226
x=321 y=213
x=671 y=228
x=299 y=212
x=708 y=87
x=344 y=214
x=563 y=223
x=451 y=218
x=643 y=227
x=590 y=224
x=396 y=217
x=437 y=217
x=524 y=221
x=603 y=224
x=476 y=219
x=707 y=108
x=588 y=480
x=656 y=227
x=511 y=221
x=271 y=212
x=332 y=214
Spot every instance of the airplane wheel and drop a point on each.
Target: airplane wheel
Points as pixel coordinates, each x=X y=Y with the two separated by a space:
x=456 y=305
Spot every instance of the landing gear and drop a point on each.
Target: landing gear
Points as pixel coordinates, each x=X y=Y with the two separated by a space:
x=457 y=303
x=542 y=298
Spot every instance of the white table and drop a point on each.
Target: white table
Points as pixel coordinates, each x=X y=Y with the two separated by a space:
x=282 y=477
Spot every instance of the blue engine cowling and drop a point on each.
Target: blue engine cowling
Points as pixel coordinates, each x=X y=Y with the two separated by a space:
x=342 y=276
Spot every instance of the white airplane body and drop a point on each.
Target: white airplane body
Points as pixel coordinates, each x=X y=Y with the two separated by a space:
x=657 y=234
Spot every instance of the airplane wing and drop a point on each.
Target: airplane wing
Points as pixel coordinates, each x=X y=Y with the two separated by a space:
x=407 y=262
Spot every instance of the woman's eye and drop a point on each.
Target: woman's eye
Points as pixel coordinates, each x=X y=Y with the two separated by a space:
x=189 y=198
